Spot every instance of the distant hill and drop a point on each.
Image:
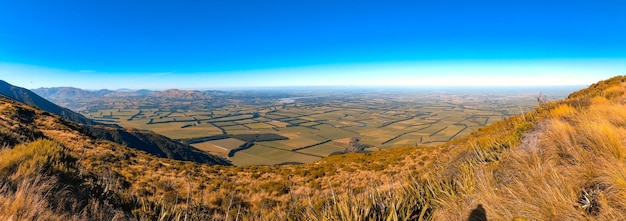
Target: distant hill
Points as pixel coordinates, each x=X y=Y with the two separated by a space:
x=28 y=97
x=72 y=94
x=182 y=94
x=173 y=99
x=144 y=92
x=150 y=142
x=65 y=94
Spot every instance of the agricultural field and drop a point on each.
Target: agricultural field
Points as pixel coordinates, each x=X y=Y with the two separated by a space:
x=314 y=124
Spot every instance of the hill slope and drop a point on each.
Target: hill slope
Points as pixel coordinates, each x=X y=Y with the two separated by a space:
x=566 y=160
x=150 y=142
x=30 y=98
x=153 y=143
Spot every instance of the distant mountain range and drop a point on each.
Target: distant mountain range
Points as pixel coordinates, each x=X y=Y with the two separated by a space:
x=150 y=142
x=63 y=94
x=79 y=99
x=173 y=99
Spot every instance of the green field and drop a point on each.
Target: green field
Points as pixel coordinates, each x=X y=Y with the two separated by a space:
x=323 y=149
x=318 y=126
x=263 y=155
x=227 y=144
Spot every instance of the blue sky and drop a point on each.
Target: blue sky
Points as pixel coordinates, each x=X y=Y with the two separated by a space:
x=221 y=44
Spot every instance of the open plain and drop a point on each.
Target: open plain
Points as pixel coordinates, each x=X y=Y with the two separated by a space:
x=312 y=123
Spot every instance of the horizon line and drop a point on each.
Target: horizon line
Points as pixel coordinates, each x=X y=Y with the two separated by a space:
x=324 y=86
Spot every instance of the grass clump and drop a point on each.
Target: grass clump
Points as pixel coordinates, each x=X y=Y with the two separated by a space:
x=41 y=181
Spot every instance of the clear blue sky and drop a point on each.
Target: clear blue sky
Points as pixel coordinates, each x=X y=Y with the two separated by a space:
x=232 y=43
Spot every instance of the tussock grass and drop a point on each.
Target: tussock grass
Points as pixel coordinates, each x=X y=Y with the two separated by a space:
x=573 y=171
x=26 y=200
x=566 y=160
x=40 y=181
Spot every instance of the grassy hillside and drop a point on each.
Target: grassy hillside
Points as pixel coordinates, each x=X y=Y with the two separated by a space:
x=150 y=142
x=30 y=98
x=153 y=143
x=566 y=160
x=563 y=161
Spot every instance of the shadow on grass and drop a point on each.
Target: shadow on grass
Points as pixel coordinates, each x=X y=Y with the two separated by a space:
x=478 y=214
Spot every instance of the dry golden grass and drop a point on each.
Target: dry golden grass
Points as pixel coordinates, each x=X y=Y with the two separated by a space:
x=575 y=170
x=564 y=161
x=40 y=181
x=27 y=201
